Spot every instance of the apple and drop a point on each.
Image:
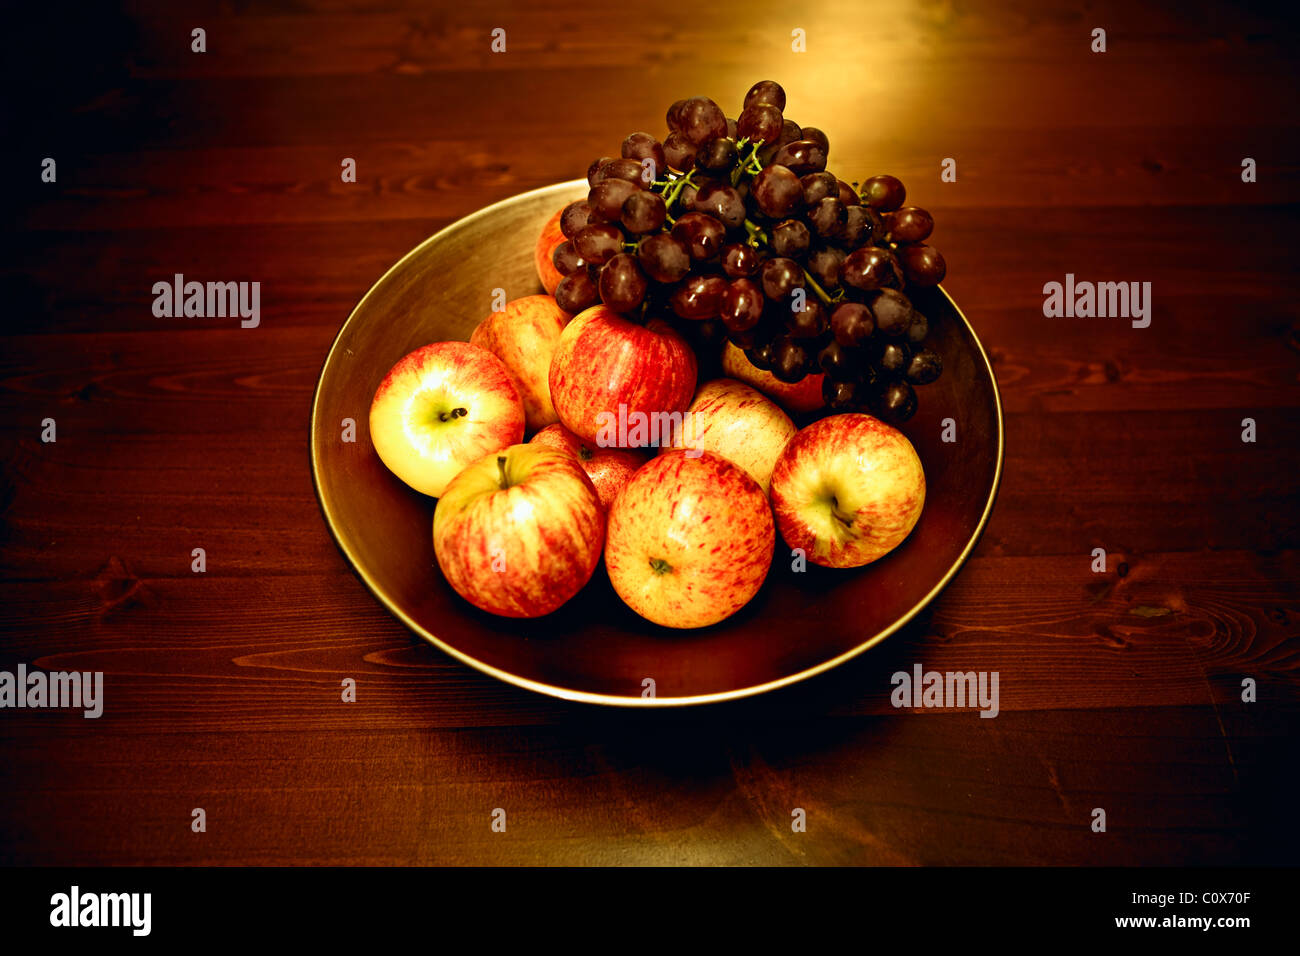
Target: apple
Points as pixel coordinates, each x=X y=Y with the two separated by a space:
x=519 y=532
x=804 y=395
x=739 y=423
x=847 y=490
x=550 y=238
x=440 y=408
x=610 y=375
x=608 y=468
x=523 y=336
x=690 y=540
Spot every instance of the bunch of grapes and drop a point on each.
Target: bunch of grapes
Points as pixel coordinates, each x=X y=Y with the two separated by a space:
x=734 y=228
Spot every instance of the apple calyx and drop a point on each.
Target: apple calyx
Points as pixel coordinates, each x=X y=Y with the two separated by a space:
x=585 y=453
x=660 y=566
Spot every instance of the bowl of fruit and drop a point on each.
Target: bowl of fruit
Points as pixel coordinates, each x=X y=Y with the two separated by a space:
x=697 y=426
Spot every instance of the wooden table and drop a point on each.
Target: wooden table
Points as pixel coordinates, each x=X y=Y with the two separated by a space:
x=1119 y=690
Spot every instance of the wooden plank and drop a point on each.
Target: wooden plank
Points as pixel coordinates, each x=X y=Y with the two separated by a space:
x=314 y=273
x=1143 y=167
x=1157 y=630
x=1072 y=97
x=324 y=39
x=955 y=789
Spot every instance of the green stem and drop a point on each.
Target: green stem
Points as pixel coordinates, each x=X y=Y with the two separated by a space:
x=821 y=293
x=673 y=191
x=749 y=164
x=680 y=183
x=756 y=235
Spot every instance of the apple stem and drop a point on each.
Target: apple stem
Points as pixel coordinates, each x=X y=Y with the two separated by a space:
x=846 y=520
x=453 y=414
x=501 y=467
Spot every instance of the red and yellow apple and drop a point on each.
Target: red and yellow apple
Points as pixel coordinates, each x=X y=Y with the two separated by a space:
x=607 y=368
x=690 y=540
x=440 y=408
x=804 y=395
x=547 y=242
x=608 y=468
x=740 y=424
x=523 y=336
x=519 y=531
x=847 y=490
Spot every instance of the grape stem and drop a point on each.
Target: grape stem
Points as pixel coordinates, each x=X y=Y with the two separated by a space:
x=749 y=164
x=673 y=191
x=821 y=293
x=756 y=235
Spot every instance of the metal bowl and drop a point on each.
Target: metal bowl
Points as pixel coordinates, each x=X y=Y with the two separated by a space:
x=594 y=648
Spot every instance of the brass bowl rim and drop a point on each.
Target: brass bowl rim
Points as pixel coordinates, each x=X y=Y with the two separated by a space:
x=588 y=697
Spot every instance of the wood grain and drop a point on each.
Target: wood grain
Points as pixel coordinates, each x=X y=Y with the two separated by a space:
x=1120 y=690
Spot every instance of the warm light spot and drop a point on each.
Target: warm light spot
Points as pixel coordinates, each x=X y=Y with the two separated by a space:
x=522 y=510
x=867 y=464
x=681 y=531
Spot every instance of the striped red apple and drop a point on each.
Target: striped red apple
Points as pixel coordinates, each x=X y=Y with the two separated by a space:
x=548 y=241
x=606 y=366
x=523 y=336
x=740 y=424
x=519 y=531
x=847 y=490
x=804 y=395
x=690 y=540
x=440 y=408
x=608 y=468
